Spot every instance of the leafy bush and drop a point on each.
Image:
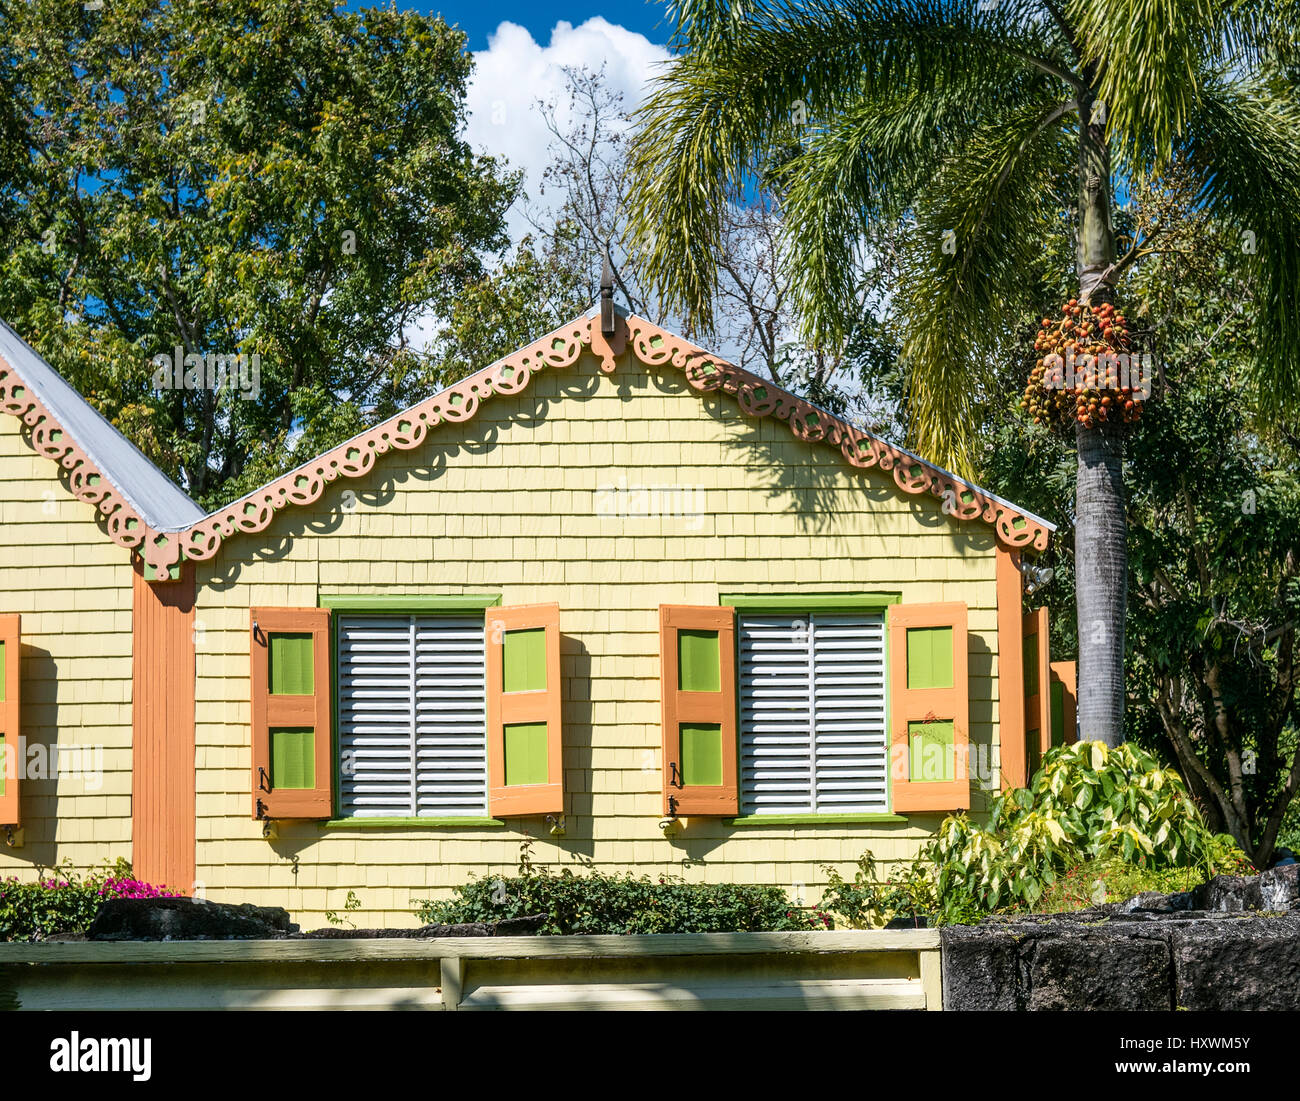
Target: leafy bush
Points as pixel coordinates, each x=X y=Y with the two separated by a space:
x=867 y=902
x=1087 y=802
x=600 y=903
x=1094 y=882
x=1087 y=805
x=65 y=902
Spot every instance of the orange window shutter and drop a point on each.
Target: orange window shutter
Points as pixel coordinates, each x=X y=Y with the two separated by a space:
x=524 y=705
x=929 y=707
x=1038 y=696
x=11 y=764
x=697 y=671
x=293 y=766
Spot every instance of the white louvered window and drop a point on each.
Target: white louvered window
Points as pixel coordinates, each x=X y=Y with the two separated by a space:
x=812 y=713
x=412 y=716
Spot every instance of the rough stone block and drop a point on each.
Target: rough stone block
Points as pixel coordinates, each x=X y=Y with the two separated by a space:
x=980 y=967
x=1249 y=963
x=186 y=919
x=1110 y=968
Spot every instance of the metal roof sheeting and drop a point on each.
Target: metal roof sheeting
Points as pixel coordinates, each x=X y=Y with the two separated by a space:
x=159 y=501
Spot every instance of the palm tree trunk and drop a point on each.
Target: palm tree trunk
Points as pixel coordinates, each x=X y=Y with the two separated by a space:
x=1100 y=531
x=1101 y=581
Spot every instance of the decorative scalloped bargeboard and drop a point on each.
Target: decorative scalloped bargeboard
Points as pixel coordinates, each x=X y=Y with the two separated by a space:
x=163 y=552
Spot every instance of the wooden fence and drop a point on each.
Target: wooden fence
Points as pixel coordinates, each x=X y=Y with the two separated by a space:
x=869 y=969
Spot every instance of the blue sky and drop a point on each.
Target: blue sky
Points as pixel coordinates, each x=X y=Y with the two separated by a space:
x=478 y=20
x=520 y=54
x=520 y=51
x=645 y=17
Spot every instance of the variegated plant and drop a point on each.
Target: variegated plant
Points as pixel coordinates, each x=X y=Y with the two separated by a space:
x=1088 y=802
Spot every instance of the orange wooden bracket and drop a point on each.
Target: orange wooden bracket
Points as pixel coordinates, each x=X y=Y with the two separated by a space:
x=609 y=348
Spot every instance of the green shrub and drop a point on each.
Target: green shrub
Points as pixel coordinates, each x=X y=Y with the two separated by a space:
x=64 y=901
x=1094 y=882
x=1087 y=805
x=868 y=902
x=600 y=903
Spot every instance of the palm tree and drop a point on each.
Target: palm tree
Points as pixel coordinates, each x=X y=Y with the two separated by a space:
x=961 y=120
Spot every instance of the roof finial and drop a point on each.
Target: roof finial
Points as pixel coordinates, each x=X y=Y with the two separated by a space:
x=608 y=322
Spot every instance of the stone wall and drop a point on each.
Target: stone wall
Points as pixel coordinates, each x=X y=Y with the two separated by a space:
x=1153 y=952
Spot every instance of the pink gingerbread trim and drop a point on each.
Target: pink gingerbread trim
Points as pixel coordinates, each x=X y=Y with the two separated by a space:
x=704 y=372
x=88 y=483
x=652 y=346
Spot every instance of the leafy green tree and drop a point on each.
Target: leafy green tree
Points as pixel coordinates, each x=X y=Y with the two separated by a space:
x=1213 y=513
x=1215 y=601
x=591 y=177
x=273 y=177
x=534 y=290
x=962 y=119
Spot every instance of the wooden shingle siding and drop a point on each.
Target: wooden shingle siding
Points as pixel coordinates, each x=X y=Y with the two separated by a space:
x=72 y=586
x=551 y=496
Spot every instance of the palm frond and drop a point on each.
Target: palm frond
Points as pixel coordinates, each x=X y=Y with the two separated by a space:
x=1244 y=145
x=869 y=166
x=717 y=112
x=979 y=232
x=1149 y=58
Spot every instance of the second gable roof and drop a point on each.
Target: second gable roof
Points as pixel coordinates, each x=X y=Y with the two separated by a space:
x=154 y=517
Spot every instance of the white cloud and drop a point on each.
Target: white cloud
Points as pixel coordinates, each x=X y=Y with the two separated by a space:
x=515 y=72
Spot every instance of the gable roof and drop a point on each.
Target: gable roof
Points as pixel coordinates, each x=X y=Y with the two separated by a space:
x=104 y=468
x=147 y=512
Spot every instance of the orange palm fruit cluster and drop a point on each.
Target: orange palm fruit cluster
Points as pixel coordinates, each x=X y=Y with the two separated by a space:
x=1082 y=373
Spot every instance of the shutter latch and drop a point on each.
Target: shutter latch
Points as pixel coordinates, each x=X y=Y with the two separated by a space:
x=671 y=824
x=674 y=778
x=263 y=817
x=263 y=782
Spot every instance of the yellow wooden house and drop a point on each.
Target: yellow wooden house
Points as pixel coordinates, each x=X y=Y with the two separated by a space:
x=611 y=593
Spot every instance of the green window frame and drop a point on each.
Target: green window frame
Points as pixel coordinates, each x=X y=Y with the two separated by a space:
x=396 y=606
x=815 y=604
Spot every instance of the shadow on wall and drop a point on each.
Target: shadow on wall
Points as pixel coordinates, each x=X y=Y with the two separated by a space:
x=64 y=475
x=578 y=841
x=811 y=489
x=479 y=436
x=40 y=760
x=985 y=778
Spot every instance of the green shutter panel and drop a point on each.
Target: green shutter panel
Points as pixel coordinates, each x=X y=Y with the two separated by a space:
x=697 y=663
x=293 y=768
